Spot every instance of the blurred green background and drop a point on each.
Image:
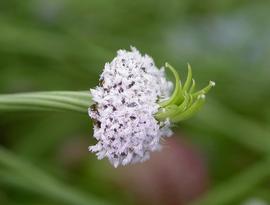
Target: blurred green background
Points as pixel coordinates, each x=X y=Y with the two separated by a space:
x=218 y=157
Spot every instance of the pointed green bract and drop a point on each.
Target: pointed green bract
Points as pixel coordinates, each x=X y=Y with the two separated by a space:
x=166 y=112
x=205 y=90
x=184 y=102
x=193 y=109
x=192 y=86
x=189 y=79
x=181 y=108
x=177 y=88
x=190 y=100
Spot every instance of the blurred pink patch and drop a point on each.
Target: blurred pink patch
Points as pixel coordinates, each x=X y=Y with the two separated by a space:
x=72 y=152
x=174 y=176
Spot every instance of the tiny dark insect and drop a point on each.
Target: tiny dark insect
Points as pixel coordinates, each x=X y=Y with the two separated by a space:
x=101 y=82
x=121 y=90
x=97 y=123
x=131 y=84
x=123 y=154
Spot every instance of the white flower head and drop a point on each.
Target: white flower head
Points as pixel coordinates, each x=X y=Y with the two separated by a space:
x=126 y=102
x=128 y=115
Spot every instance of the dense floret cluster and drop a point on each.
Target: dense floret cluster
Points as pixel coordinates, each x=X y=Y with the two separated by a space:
x=124 y=109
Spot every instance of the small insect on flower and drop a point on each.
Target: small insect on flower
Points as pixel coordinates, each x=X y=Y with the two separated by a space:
x=133 y=108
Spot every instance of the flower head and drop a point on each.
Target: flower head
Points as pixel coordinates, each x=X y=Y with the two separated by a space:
x=133 y=109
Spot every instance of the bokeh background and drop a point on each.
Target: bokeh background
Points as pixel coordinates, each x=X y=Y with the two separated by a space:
x=218 y=157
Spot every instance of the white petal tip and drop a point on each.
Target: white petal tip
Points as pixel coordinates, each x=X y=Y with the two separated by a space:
x=212 y=83
x=201 y=96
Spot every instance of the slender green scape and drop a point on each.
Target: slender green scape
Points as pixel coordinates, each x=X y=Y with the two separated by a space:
x=184 y=102
x=46 y=101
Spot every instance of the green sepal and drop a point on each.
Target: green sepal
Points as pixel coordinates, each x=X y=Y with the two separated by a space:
x=192 y=110
x=177 y=89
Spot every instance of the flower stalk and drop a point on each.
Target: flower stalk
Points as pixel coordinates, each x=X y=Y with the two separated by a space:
x=46 y=101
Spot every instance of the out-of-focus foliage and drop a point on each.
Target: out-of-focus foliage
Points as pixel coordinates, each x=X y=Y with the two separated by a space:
x=63 y=45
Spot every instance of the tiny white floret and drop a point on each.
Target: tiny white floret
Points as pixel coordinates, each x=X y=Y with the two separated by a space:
x=125 y=104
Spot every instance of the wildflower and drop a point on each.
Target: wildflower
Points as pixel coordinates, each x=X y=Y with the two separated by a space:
x=133 y=109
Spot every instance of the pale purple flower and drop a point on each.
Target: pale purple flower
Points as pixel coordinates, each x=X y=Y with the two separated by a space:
x=125 y=104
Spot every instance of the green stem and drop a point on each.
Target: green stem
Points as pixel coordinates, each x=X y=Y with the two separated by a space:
x=46 y=101
x=237 y=187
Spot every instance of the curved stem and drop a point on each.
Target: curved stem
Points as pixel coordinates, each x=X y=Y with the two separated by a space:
x=46 y=101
